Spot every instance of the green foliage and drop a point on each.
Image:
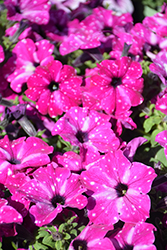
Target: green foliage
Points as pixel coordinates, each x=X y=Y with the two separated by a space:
x=153 y=123
x=49 y=237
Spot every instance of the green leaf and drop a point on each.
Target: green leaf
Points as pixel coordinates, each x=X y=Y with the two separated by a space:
x=81 y=228
x=61 y=228
x=67 y=236
x=153 y=135
x=149 y=11
x=47 y=240
x=58 y=245
x=39 y=246
x=42 y=234
x=150 y=122
x=74 y=232
x=160 y=156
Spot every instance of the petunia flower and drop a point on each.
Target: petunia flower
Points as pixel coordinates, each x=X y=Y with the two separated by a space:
x=87 y=129
x=34 y=11
x=8 y=219
x=135 y=236
x=55 y=87
x=159 y=66
x=119 y=189
x=52 y=189
x=116 y=87
x=92 y=238
x=2 y=56
x=19 y=154
x=28 y=55
x=161 y=138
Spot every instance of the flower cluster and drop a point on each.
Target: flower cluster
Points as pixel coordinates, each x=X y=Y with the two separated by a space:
x=83 y=132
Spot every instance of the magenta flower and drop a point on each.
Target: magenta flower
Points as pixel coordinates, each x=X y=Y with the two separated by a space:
x=28 y=55
x=88 y=129
x=107 y=22
x=8 y=217
x=119 y=189
x=161 y=138
x=116 y=87
x=34 y=11
x=161 y=102
x=8 y=213
x=20 y=154
x=92 y=238
x=56 y=88
x=159 y=66
x=120 y=120
x=52 y=189
x=2 y=56
x=139 y=236
x=57 y=28
x=86 y=35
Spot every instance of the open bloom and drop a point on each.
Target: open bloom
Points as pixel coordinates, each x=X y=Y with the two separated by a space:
x=34 y=11
x=88 y=129
x=55 y=87
x=20 y=154
x=52 y=189
x=8 y=217
x=92 y=238
x=119 y=189
x=28 y=55
x=161 y=138
x=135 y=236
x=116 y=87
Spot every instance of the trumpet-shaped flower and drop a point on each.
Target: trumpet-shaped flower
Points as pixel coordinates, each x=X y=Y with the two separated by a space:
x=88 y=129
x=52 y=189
x=119 y=189
x=56 y=88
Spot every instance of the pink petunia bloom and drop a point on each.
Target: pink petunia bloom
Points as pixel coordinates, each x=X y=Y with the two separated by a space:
x=116 y=87
x=159 y=66
x=119 y=189
x=122 y=119
x=52 y=189
x=161 y=138
x=8 y=217
x=20 y=154
x=28 y=55
x=57 y=28
x=76 y=163
x=136 y=237
x=86 y=35
x=135 y=43
x=2 y=56
x=92 y=238
x=107 y=22
x=34 y=11
x=56 y=88
x=87 y=129
x=161 y=102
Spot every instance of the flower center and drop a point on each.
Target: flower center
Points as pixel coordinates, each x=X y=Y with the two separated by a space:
x=58 y=199
x=82 y=136
x=116 y=81
x=107 y=31
x=53 y=86
x=17 y=9
x=128 y=247
x=121 y=189
x=80 y=245
x=35 y=64
x=14 y=161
